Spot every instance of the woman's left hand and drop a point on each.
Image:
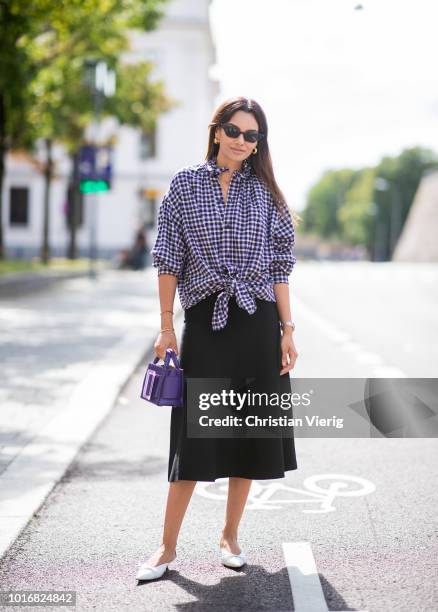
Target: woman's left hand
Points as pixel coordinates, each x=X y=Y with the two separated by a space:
x=288 y=353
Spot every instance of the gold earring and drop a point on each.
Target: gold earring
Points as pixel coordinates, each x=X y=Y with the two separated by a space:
x=255 y=151
x=216 y=141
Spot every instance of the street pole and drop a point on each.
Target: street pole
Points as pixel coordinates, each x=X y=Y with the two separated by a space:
x=101 y=82
x=48 y=174
x=395 y=220
x=93 y=198
x=382 y=184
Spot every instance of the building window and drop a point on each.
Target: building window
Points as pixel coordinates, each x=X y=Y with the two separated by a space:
x=147 y=144
x=19 y=206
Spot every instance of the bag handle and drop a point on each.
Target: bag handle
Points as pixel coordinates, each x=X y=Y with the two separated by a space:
x=170 y=354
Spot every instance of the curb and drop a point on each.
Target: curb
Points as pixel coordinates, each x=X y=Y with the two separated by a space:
x=34 y=473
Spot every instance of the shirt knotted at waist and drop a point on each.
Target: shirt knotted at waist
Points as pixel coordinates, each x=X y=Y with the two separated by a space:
x=239 y=288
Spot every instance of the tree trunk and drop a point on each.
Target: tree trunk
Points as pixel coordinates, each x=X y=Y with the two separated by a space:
x=74 y=205
x=2 y=168
x=48 y=174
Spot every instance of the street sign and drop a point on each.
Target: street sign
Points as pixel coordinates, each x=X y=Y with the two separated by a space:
x=95 y=168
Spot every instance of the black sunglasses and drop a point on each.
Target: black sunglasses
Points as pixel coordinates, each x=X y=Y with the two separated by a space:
x=233 y=131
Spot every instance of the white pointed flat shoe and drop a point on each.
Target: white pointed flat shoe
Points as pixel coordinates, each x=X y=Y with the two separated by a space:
x=231 y=560
x=147 y=572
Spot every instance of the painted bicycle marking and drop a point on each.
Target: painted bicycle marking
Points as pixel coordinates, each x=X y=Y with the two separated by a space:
x=320 y=489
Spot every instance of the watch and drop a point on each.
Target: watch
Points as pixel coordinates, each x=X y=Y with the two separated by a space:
x=288 y=323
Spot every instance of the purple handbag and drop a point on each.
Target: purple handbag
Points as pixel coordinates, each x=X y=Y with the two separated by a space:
x=163 y=385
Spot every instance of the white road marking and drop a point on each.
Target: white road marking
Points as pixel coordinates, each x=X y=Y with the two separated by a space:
x=320 y=490
x=306 y=588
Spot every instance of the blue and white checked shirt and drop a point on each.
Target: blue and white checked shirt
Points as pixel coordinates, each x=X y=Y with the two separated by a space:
x=240 y=248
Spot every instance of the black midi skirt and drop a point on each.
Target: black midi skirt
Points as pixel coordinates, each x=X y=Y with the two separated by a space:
x=249 y=345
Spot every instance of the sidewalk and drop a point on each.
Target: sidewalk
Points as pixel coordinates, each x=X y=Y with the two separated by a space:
x=20 y=283
x=66 y=353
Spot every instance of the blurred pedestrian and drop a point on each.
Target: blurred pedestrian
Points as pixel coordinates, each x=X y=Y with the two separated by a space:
x=138 y=255
x=135 y=258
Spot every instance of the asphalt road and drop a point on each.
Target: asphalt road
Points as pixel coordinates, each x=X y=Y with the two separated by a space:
x=374 y=544
x=366 y=319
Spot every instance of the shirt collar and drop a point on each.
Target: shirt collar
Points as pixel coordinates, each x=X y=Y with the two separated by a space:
x=215 y=170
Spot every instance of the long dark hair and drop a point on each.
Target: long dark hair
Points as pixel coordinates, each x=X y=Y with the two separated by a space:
x=261 y=162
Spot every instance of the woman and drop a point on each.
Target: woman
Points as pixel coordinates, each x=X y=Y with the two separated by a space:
x=225 y=240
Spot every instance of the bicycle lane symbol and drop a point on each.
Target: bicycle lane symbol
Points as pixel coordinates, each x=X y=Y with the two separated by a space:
x=319 y=489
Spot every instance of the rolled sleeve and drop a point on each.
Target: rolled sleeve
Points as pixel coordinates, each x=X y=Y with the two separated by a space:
x=169 y=251
x=282 y=242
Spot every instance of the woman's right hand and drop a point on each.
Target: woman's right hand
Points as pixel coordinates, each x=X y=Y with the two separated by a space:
x=165 y=340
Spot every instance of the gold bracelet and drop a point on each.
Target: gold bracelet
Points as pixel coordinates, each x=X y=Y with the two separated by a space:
x=167 y=329
x=166 y=311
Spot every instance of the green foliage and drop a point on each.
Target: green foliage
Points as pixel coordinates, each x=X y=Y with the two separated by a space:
x=352 y=205
x=138 y=101
x=43 y=48
x=402 y=175
x=324 y=200
x=355 y=214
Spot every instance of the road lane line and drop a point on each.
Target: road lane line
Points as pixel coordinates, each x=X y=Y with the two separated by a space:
x=303 y=576
x=305 y=585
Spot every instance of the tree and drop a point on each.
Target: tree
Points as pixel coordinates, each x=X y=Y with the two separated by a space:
x=64 y=109
x=395 y=193
x=368 y=206
x=324 y=200
x=355 y=215
x=42 y=46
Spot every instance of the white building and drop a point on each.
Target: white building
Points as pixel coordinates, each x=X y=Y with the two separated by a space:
x=183 y=51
